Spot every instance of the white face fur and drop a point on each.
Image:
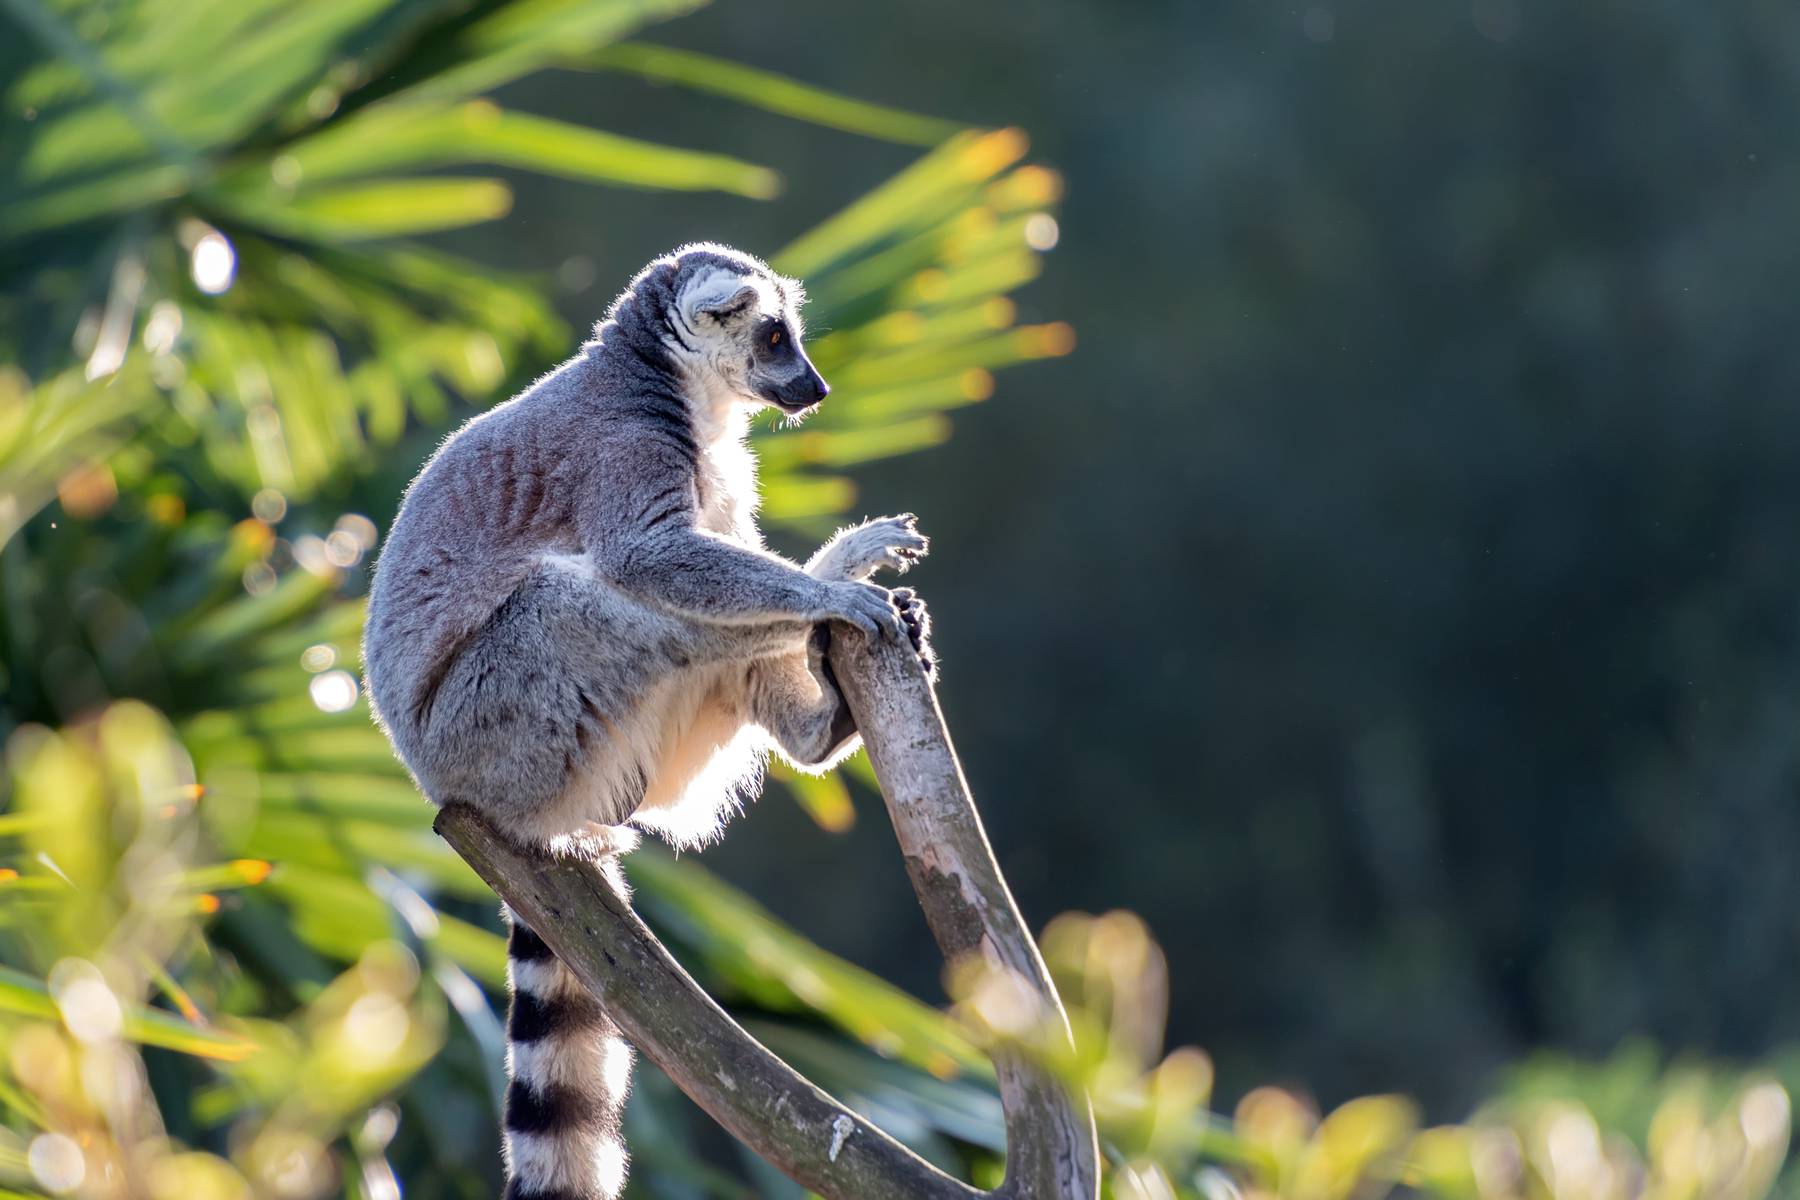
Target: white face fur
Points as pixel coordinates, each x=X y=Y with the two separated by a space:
x=743 y=340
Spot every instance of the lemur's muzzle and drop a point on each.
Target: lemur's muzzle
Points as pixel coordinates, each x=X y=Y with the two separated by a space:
x=801 y=392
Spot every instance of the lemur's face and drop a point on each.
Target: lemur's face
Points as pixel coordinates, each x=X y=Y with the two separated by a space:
x=745 y=333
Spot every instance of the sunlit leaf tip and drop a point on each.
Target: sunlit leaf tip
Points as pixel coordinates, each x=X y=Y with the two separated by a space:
x=988 y=153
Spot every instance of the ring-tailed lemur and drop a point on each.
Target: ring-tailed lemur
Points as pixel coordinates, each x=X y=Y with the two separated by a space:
x=575 y=628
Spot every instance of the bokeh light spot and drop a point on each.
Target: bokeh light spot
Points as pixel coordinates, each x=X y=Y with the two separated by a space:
x=360 y=528
x=376 y=1025
x=333 y=691
x=87 y=491
x=285 y=170
x=259 y=579
x=1763 y=1114
x=310 y=553
x=269 y=506
x=213 y=263
x=163 y=327
x=88 y=1006
x=342 y=549
x=56 y=1162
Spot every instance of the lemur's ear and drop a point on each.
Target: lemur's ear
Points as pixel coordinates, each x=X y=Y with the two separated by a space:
x=728 y=306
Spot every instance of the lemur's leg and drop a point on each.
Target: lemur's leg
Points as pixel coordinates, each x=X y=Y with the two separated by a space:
x=570 y=1069
x=541 y=718
x=795 y=698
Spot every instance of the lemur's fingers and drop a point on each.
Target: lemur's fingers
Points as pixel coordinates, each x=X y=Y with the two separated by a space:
x=869 y=607
x=903 y=530
x=885 y=543
x=899 y=544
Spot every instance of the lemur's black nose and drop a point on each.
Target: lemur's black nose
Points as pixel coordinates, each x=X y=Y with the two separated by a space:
x=803 y=391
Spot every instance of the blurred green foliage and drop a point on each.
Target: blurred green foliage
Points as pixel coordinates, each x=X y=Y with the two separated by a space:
x=236 y=961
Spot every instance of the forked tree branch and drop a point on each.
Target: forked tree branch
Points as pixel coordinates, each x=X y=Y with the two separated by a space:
x=765 y=1103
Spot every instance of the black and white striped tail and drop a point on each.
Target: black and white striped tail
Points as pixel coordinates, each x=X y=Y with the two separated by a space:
x=570 y=1070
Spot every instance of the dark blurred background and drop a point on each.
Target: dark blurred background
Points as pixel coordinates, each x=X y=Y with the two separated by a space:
x=1394 y=597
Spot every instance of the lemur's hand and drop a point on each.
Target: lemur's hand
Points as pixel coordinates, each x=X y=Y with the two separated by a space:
x=895 y=542
x=868 y=606
x=917 y=620
x=861 y=550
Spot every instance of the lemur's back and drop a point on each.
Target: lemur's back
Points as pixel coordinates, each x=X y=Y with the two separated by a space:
x=496 y=498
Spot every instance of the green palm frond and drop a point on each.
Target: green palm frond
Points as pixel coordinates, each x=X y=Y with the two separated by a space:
x=238 y=164
x=772 y=92
x=21 y=995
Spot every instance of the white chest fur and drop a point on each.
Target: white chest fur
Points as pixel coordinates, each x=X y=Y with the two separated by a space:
x=726 y=482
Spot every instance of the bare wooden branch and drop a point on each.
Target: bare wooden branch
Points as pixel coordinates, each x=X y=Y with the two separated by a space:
x=1051 y=1151
x=814 y=1140
x=765 y=1103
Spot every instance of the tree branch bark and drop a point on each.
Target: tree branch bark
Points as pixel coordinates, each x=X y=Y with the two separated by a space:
x=766 y=1104
x=1050 y=1141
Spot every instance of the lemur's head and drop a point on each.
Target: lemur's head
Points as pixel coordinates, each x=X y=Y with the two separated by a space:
x=732 y=326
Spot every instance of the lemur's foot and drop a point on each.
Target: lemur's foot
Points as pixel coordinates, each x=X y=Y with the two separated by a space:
x=917 y=620
x=859 y=551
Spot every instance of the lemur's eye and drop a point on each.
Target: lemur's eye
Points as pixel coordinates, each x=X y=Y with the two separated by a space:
x=775 y=337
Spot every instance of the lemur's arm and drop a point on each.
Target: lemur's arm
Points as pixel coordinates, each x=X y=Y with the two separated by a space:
x=640 y=531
